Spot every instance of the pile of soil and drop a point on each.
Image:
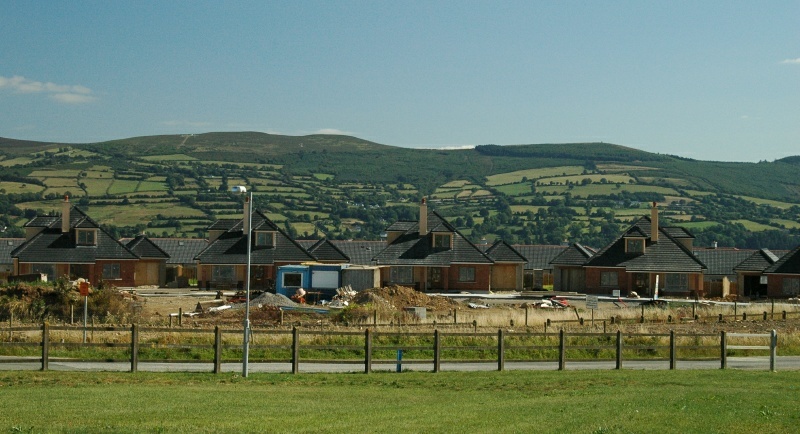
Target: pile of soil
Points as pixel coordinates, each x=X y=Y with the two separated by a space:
x=269 y=299
x=399 y=297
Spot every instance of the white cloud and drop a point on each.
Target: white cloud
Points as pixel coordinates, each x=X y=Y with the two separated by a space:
x=63 y=93
x=792 y=61
x=332 y=131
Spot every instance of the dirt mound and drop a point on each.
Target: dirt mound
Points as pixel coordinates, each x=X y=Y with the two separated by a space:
x=269 y=299
x=399 y=297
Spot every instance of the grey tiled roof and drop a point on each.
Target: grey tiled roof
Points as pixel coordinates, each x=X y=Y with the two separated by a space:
x=501 y=251
x=758 y=261
x=145 y=248
x=7 y=245
x=722 y=262
x=539 y=256
x=666 y=255
x=180 y=250
x=325 y=250
x=360 y=252
x=402 y=226
x=787 y=264
x=231 y=246
x=411 y=249
x=52 y=246
x=574 y=255
x=677 y=232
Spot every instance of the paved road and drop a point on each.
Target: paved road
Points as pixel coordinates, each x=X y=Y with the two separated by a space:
x=782 y=363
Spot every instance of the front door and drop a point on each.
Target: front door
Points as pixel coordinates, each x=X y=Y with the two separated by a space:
x=641 y=283
x=434 y=278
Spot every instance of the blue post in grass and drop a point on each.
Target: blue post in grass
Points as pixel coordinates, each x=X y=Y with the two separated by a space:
x=399 y=360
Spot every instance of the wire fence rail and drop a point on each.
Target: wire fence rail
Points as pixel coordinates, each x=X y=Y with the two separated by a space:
x=134 y=345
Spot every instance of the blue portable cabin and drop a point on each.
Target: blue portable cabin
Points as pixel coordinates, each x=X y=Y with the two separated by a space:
x=291 y=277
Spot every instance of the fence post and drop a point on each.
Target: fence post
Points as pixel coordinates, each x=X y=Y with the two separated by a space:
x=437 y=348
x=455 y=316
x=134 y=348
x=526 y=315
x=45 y=346
x=217 y=350
x=723 y=346
x=720 y=317
x=367 y=351
x=475 y=325
x=501 y=360
x=619 y=349
x=765 y=315
x=180 y=317
x=784 y=315
x=375 y=318
x=744 y=316
x=773 y=345
x=672 y=355
x=295 y=350
x=561 y=350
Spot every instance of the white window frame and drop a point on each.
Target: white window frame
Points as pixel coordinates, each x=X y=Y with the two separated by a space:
x=790 y=286
x=112 y=271
x=640 y=245
x=678 y=282
x=79 y=233
x=223 y=273
x=609 y=279
x=442 y=241
x=402 y=274
x=269 y=240
x=467 y=274
x=297 y=275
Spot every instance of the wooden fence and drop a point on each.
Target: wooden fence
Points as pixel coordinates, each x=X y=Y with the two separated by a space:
x=370 y=347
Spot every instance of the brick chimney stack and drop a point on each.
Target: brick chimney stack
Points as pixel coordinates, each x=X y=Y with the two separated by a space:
x=654 y=223
x=65 y=207
x=423 y=218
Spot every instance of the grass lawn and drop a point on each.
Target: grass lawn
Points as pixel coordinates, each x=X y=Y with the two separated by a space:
x=513 y=401
x=754 y=226
x=516 y=176
x=19 y=187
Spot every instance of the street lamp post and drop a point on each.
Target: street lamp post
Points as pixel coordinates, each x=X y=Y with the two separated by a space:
x=246 y=337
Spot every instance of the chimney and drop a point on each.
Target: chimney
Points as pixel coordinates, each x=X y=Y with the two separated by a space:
x=246 y=220
x=654 y=223
x=65 y=215
x=423 y=218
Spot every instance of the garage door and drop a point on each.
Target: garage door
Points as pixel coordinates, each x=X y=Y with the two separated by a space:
x=324 y=279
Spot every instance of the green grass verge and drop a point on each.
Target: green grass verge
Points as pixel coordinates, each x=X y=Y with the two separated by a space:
x=514 y=401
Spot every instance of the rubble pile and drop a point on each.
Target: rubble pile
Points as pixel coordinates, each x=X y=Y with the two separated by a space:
x=269 y=299
x=399 y=297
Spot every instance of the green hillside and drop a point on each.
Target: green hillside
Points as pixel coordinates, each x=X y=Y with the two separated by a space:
x=346 y=187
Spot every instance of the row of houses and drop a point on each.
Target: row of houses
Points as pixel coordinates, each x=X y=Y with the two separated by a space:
x=428 y=254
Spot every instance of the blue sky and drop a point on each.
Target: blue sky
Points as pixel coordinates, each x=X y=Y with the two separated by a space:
x=713 y=80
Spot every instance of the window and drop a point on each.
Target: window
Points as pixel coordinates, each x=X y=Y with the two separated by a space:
x=111 y=272
x=223 y=273
x=634 y=245
x=441 y=241
x=402 y=275
x=609 y=278
x=791 y=286
x=47 y=269
x=466 y=274
x=677 y=282
x=292 y=279
x=85 y=237
x=265 y=239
